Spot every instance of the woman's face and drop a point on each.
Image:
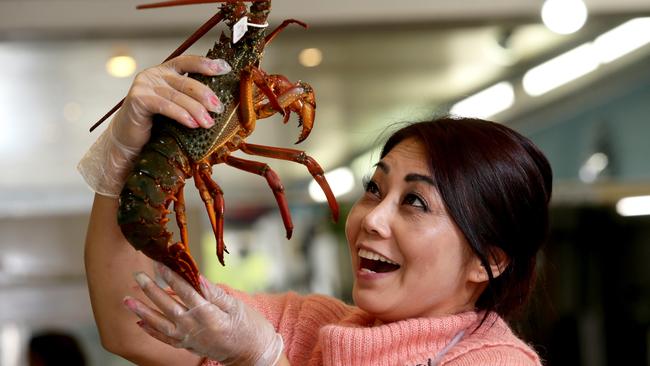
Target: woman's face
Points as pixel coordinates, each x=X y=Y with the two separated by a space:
x=409 y=257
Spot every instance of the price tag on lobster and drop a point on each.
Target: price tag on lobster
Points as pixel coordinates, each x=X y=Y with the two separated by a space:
x=239 y=29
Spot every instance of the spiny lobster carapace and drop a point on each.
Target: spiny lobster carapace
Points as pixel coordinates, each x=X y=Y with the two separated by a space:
x=175 y=153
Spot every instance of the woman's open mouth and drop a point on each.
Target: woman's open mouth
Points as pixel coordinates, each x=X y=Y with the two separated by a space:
x=371 y=262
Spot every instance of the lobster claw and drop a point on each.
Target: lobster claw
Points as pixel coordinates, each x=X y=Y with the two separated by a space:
x=306 y=119
x=305 y=107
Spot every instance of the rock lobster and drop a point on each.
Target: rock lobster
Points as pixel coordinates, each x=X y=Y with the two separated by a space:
x=175 y=153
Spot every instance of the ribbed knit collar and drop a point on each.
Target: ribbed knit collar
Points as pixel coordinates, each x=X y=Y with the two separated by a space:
x=407 y=342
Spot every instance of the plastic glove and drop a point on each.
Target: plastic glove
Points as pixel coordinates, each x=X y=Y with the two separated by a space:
x=216 y=326
x=158 y=90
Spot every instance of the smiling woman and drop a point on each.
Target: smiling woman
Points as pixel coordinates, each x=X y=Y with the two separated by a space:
x=443 y=245
x=401 y=218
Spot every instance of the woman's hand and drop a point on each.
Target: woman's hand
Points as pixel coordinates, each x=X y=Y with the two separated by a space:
x=162 y=89
x=165 y=90
x=216 y=326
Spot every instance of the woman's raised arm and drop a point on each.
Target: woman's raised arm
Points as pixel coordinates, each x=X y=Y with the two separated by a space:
x=110 y=263
x=110 y=260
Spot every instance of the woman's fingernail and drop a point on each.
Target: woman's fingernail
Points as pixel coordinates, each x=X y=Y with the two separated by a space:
x=130 y=303
x=220 y=66
x=192 y=122
x=214 y=100
x=208 y=119
x=142 y=279
x=158 y=267
x=217 y=106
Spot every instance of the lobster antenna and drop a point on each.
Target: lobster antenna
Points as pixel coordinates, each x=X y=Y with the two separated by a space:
x=166 y=4
x=182 y=48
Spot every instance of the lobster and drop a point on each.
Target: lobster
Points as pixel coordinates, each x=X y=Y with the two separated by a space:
x=175 y=153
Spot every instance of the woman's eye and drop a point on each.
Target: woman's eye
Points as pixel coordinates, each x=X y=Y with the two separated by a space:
x=371 y=187
x=415 y=200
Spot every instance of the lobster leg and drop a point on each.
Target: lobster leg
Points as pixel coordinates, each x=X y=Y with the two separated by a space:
x=181 y=219
x=177 y=256
x=207 y=195
x=299 y=157
x=219 y=207
x=280 y=28
x=253 y=76
x=274 y=182
x=259 y=78
x=299 y=98
x=180 y=261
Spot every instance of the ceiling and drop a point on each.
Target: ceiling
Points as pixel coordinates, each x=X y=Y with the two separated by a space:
x=383 y=62
x=35 y=16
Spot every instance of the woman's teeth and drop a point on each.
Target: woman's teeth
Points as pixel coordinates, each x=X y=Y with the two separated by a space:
x=363 y=253
x=371 y=262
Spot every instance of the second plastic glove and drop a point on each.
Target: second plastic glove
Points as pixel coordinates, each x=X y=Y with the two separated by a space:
x=218 y=326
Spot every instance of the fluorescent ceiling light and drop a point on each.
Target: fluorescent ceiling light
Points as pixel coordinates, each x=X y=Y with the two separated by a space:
x=634 y=206
x=623 y=39
x=341 y=180
x=591 y=169
x=561 y=70
x=564 y=16
x=487 y=102
x=10 y=344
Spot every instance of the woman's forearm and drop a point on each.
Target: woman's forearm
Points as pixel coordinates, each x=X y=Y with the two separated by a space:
x=110 y=263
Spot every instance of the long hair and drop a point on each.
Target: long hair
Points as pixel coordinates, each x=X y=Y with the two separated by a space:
x=496 y=185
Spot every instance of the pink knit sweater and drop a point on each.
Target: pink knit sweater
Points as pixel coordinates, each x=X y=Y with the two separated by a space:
x=320 y=330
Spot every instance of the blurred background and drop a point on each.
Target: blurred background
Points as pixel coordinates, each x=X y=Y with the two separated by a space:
x=574 y=76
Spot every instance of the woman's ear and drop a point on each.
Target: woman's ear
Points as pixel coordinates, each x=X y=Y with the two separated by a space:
x=498 y=263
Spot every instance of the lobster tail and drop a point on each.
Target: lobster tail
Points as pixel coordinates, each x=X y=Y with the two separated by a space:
x=156 y=181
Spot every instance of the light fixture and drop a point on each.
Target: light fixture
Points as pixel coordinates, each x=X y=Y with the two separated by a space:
x=341 y=180
x=487 y=102
x=623 y=39
x=310 y=57
x=591 y=169
x=121 y=66
x=633 y=206
x=10 y=344
x=561 y=70
x=564 y=16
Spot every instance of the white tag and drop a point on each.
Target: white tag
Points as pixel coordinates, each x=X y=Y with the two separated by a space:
x=239 y=29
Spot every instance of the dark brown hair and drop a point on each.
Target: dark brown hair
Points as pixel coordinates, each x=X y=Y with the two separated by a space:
x=496 y=185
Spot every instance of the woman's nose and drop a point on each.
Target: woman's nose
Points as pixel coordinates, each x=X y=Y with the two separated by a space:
x=377 y=220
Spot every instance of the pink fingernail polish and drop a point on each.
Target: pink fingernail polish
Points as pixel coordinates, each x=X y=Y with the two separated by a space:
x=217 y=106
x=193 y=122
x=129 y=303
x=208 y=119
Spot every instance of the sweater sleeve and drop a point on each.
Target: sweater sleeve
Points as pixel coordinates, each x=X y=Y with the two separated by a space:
x=297 y=318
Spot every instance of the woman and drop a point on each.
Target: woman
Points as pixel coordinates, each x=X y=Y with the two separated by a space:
x=443 y=243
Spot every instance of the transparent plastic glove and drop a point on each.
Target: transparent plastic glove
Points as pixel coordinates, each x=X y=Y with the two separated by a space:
x=162 y=89
x=218 y=326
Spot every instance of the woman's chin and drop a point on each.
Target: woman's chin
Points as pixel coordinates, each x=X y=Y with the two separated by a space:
x=371 y=302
